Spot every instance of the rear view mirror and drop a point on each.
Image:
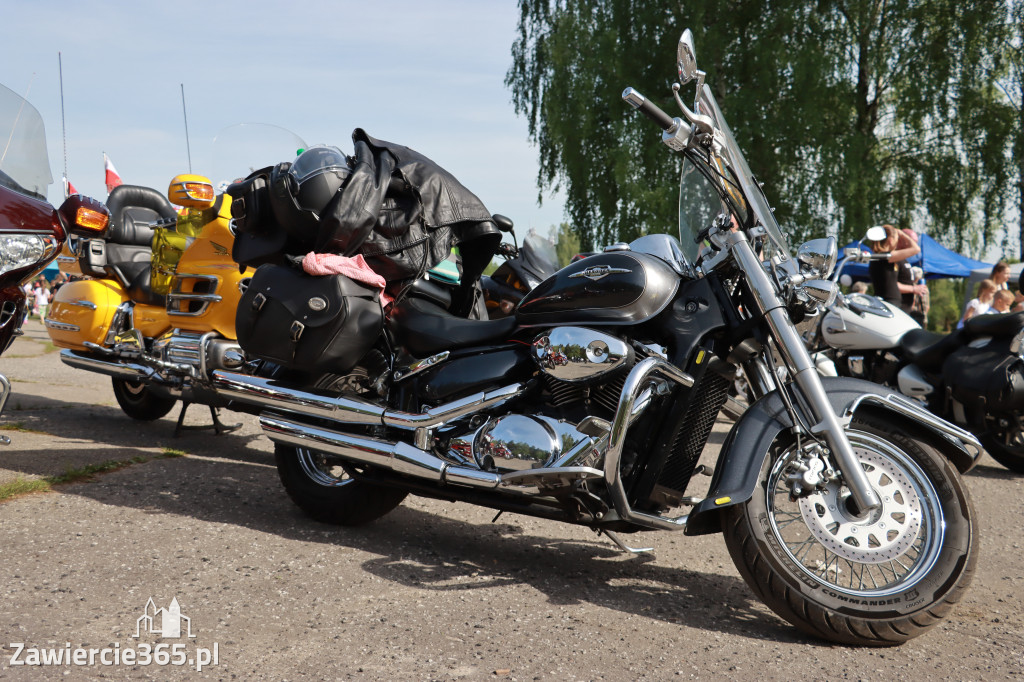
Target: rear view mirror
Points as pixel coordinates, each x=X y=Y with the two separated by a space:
x=686 y=57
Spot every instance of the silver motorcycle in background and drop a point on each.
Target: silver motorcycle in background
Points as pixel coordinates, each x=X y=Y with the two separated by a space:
x=841 y=503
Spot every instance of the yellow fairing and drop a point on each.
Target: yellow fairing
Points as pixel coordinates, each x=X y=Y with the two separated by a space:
x=204 y=294
x=67 y=260
x=82 y=311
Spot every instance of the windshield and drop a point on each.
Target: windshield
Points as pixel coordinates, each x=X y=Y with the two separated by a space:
x=539 y=256
x=24 y=164
x=240 y=149
x=720 y=181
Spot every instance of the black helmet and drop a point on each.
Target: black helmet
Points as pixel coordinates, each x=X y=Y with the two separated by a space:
x=299 y=191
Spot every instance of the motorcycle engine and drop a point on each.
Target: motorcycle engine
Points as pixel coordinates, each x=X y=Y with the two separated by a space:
x=187 y=348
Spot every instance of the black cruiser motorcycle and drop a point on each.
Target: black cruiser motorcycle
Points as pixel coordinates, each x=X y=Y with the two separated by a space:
x=841 y=502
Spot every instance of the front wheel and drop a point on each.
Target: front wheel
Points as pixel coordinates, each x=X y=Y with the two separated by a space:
x=323 y=489
x=877 y=580
x=138 y=400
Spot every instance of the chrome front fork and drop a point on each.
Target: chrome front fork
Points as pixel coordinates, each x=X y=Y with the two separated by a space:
x=825 y=424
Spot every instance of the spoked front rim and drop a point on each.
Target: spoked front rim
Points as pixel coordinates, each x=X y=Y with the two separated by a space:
x=882 y=553
x=321 y=470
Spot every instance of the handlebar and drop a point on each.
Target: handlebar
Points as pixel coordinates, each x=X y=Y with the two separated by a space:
x=649 y=109
x=507 y=250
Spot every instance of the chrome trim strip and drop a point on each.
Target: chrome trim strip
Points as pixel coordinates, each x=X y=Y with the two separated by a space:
x=420 y=365
x=909 y=408
x=61 y=326
x=82 y=303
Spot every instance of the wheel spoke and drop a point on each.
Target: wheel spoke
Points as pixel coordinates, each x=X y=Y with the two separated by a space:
x=880 y=552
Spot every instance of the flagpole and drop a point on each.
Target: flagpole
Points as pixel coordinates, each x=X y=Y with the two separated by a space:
x=184 y=113
x=63 y=127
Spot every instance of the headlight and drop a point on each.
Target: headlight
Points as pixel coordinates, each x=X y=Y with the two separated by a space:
x=23 y=250
x=822 y=291
x=818 y=256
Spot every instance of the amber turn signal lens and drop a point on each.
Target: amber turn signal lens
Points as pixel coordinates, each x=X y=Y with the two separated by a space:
x=89 y=219
x=199 y=191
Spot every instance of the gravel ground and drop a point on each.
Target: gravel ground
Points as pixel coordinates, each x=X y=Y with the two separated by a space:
x=433 y=591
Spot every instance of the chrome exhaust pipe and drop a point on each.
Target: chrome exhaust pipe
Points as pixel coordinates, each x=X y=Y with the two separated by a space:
x=400 y=457
x=119 y=370
x=278 y=397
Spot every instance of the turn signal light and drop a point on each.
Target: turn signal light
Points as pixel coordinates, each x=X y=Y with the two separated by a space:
x=88 y=219
x=192 y=191
x=199 y=191
x=83 y=216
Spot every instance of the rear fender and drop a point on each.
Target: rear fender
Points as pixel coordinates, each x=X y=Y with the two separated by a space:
x=751 y=439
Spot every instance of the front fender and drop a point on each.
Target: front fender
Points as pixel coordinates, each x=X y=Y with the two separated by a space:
x=751 y=438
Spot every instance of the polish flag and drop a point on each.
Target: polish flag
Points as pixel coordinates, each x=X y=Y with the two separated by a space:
x=69 y=189
x=113 y=179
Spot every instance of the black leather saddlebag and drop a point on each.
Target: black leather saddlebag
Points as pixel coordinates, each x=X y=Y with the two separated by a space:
x=988 y=378
x=323 y=324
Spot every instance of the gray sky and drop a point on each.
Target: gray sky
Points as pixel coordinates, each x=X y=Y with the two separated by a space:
x=428 y=75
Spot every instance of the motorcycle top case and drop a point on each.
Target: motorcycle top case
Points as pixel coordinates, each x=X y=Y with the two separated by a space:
x=323 y=324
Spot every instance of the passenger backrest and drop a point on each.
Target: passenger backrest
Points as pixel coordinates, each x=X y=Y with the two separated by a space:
x=131 y=209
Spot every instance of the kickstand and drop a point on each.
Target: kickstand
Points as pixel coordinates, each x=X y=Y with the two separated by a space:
x=614 y=537
x=218 y=426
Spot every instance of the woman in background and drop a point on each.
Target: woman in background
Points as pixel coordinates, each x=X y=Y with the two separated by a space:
x=892 y=279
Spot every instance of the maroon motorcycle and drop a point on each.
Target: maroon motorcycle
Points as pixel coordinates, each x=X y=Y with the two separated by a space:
x=31 y=230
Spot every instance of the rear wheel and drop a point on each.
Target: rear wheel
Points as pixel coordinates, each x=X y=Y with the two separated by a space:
x=876 y=580
x=138 y=400
x=318 y=483
x=323 y=489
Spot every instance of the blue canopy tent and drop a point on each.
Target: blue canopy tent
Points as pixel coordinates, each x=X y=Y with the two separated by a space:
x=935 y=259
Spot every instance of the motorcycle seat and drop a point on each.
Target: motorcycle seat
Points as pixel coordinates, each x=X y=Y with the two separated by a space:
x=928 y=349
x=424 y=328
x=996 y=324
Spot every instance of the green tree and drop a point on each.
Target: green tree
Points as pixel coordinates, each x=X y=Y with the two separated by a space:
x=853 y=111
x=1010 y=63
x=567 y=244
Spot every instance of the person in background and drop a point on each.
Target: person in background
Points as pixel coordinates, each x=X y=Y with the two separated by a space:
x=922 y=299
x=40 y=298
x=859 y=287
x=892 y=279
x=1001 y=276
x=1001 y=301
x=981 y=304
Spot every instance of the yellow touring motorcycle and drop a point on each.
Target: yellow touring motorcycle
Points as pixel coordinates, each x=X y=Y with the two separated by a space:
x=156 y=307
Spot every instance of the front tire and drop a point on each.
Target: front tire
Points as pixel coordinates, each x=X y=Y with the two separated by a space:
x=138 y=401
x=878 y=580
x=323 y=489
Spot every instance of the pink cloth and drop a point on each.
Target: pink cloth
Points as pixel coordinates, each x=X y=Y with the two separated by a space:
x=354 y=268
